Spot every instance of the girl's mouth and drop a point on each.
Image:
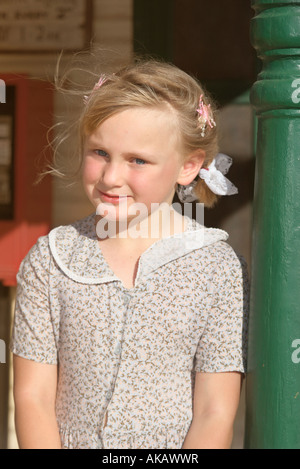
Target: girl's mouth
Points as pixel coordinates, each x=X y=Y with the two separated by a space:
x=113 y=199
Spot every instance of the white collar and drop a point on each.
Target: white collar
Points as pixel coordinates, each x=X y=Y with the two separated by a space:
x=77 y=253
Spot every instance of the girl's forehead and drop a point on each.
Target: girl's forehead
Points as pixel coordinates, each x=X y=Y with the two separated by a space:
x=147 y=115
x=148 y=121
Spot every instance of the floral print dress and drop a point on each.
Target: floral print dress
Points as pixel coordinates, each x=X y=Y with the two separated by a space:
x=127 y=358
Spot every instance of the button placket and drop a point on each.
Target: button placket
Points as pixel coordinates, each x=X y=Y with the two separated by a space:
x=126 y=297
x=105 y=419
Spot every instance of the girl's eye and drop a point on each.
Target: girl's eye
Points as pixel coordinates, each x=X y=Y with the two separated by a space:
x=140 y=162
x=101 y=153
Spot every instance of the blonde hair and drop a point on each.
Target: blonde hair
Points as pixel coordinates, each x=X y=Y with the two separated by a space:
x=150 y=83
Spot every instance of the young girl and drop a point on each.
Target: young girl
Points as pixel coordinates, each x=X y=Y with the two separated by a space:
x=130 y=324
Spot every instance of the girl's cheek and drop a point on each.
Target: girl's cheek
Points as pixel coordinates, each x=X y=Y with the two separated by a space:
x=91 y=169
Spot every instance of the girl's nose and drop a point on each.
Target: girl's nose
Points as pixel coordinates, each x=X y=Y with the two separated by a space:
x=113 y=174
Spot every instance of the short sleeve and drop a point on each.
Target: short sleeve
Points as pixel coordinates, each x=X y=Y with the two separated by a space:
x=223 y=344
x=33 y=335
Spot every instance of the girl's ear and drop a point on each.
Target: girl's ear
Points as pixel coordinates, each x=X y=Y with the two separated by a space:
x=191 y=167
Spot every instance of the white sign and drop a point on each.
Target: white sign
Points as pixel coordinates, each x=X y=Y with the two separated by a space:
x=44 y=25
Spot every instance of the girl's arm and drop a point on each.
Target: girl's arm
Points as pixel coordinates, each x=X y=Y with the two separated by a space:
x=35 y=387
x=216 y=400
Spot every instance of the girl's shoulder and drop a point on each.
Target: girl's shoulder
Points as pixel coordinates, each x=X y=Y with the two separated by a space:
x=229 y=270
x=216 y=253
x=64 y=239
x=215 y=243
x=223 y=253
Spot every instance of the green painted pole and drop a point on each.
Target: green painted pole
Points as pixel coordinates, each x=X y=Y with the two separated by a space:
x=273 y=382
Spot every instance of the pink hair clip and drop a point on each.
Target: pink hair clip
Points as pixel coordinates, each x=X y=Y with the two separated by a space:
x=100 y=82
x=206 y=116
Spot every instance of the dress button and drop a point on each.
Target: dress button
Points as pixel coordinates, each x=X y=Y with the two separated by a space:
x=127 y=298
x=109 y=395
x=118 y=349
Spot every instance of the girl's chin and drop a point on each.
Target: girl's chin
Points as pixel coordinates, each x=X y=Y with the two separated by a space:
x=121 y=211
x=112 y=223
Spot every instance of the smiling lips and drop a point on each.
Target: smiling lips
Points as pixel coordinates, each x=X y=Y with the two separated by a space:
x=112 y=198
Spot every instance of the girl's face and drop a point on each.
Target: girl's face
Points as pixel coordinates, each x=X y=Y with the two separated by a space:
x=133 y=156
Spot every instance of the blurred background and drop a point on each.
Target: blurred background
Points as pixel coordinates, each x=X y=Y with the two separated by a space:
x=207 y=38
